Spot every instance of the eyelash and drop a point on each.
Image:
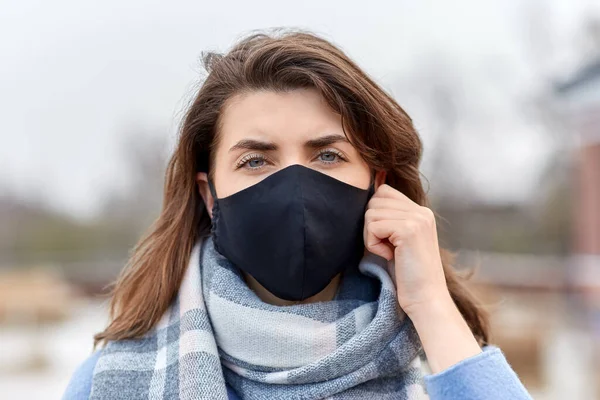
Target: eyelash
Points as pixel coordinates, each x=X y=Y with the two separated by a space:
x=249 y=157
x=256 y=156
x=339 y=155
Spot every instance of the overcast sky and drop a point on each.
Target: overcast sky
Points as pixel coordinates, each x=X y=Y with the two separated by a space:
x=75 y=75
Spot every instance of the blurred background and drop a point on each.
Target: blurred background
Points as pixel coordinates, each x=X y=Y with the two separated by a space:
x=506 y=95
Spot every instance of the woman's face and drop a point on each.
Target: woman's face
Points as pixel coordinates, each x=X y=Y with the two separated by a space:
x=263 y=132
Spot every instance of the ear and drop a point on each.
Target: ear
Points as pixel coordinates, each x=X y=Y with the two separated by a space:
x=380 y=177
x=202 y=181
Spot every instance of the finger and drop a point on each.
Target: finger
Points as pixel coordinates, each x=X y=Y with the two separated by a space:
x=387 y=203
x=379 y=214
x=378 y=238
x=383 y=249
x=394 y=204
x=391 y=194
x=379 y=246
x=395 y=231
x=386 y=191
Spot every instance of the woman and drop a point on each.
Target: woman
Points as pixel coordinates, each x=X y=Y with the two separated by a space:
x=295 y=256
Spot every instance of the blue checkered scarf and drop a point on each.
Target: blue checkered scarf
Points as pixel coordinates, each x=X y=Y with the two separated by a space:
x=217 y=331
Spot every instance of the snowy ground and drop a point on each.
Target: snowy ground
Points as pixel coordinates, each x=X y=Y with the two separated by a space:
x=38 y=363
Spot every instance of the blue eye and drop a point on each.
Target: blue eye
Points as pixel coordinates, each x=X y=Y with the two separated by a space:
x=329 y=156
x=256 y=163
x=252 y=161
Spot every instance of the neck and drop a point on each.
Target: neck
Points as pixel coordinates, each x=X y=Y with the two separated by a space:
x=326 y=294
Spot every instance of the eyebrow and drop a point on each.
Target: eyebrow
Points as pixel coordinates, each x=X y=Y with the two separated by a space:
x=325 y=141
x=250 y=144
x=257 y=145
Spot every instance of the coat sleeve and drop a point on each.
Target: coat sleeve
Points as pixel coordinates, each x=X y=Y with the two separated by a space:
x=80 y=385
x=485 y=376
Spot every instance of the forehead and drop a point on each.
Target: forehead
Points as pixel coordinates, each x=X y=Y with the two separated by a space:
x=280 y=117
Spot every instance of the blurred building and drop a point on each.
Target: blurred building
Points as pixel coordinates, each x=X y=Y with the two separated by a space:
x=581 y=96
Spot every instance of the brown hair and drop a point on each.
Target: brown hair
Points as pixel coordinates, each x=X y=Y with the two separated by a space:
x=376 y=125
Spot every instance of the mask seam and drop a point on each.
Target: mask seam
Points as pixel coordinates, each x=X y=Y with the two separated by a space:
x=215 y=218
x=303 y=239
x=214 y=228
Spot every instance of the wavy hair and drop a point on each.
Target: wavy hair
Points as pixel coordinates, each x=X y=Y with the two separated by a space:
x=375 y=124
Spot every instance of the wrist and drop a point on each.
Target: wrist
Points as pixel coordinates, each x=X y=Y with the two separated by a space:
x=434 y=307
x=444 y=333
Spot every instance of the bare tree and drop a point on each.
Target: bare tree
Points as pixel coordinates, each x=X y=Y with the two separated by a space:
x=434 y=91
x=145 y=153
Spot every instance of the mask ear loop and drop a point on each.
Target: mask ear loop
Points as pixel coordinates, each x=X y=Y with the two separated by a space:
x=215 y=215
x=213 y=192
x=372 y=185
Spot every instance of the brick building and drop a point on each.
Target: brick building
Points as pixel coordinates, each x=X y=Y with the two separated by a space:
x=581 y=95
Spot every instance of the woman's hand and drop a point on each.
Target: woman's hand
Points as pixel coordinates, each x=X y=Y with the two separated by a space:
x=399 y=230
x=405 y=234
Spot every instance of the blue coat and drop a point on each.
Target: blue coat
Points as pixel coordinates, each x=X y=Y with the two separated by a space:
x=486 y=376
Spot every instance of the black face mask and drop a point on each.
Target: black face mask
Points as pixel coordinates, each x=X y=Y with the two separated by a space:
x=293 y=231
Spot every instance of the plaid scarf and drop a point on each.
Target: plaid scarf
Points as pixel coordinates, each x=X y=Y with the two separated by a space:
x=217 y=331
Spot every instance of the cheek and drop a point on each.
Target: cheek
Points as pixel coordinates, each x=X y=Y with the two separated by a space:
x=355 y=174
x=228 y=181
